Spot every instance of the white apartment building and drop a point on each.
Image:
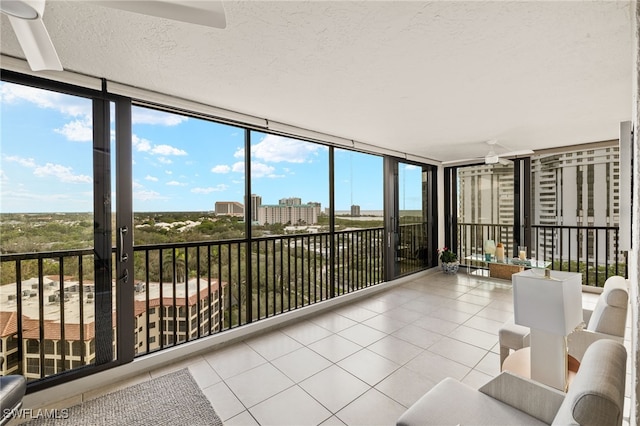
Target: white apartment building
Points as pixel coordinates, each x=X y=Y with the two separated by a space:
x=297 y=214
x=229 y=208
x=563 y=185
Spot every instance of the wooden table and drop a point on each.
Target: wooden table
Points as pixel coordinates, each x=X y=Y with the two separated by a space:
x=519 y=362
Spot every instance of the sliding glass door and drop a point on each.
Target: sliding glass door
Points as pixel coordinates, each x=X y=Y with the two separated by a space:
x=411 y=217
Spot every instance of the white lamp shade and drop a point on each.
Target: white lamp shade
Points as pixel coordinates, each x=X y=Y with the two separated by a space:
x=550 y=305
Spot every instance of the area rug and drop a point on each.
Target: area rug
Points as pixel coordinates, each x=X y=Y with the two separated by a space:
x=173 y=399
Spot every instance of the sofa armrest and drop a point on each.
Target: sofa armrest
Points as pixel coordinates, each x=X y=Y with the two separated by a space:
x=586 y=315
x=579 y=341
x=536 y=399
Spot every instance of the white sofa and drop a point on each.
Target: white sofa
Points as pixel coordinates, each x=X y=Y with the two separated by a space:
x=595 y=397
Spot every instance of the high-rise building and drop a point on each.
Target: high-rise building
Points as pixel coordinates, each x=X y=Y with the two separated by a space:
x=564 y=185
x=291 y=201
x=485 y=194
x=256 y=202
x=355 y=210
x=229 y=208
x=288 y=215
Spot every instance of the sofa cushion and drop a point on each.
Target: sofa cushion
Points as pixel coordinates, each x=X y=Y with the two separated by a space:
x=596 y=395
x=451 y=402
x=610 y=313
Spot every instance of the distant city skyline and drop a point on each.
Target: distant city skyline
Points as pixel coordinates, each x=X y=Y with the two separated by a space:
x=179 y=163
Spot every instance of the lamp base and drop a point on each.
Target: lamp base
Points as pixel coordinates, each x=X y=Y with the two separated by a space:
x=549 y=363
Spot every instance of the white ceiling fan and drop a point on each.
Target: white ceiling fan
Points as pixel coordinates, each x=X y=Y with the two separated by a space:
x=494 y=158
x=26 y=19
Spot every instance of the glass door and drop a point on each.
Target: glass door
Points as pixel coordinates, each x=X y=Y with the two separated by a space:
x=56 y=232
x=411 y=218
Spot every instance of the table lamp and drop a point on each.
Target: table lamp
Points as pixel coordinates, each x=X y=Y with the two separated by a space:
x=552 y=308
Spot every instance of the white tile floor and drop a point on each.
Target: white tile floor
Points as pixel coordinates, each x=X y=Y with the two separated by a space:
x=364 y=363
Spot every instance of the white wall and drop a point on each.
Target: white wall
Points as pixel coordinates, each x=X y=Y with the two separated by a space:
x=634 y=255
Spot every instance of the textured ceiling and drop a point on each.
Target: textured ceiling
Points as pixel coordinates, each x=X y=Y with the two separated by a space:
x=434 y=79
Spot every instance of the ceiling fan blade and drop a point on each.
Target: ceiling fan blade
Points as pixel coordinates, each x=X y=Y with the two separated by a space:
x=206 y=13
x=36 y=43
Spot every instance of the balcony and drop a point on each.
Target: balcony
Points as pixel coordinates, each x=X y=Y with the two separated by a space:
x=361 y=362
x=591 y=250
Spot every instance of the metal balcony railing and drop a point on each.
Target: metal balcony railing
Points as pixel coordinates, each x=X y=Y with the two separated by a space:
x=590 y=250
x=182 y=292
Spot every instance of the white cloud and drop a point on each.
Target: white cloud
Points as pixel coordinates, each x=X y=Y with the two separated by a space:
x=151 y=178
x=218 y=188
x=140 y=144
x=258 y=170
x=63 y=173
x=68 y=105
x=176 y=183
x=221 y=168
x=146 y=195
x=167 y=150
x=149 y=116
x=276 y=149
x=26 y=162
x=163 y=160
x=145 y=145
x=169 y=172
x=77 y=131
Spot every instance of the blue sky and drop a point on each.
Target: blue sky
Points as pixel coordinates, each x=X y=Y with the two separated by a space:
x=179 y=163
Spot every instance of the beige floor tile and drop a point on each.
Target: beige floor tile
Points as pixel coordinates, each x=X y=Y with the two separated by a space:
x=334 y=347
x=306 y=332
x=474 y=337
x=273 y=344
x=455 y=350
x=223 y=401
x=395 y=349
x=417 y=336
x=405 y=386
x=334 y=387
x=232 y=360
x=368 y=366
x=258 y=384
x=384 y=323
x=291 y=407
x=362 y=335
x=301 y=364
x=436 y=367
x=372 y=409
x=476 y=379
x=243 y=419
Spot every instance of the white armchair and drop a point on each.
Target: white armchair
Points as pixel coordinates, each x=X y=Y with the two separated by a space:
x=606 y=321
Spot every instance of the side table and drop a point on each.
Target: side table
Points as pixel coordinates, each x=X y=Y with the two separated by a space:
x=519 y=362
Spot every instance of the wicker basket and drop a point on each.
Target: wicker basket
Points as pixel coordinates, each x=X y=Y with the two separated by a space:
x=504 y=270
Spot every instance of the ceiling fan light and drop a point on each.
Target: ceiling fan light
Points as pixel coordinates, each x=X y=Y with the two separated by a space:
x=18 y=9
x=491 y=159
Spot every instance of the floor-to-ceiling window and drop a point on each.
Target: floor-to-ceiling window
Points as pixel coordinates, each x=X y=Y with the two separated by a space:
x=54 y=272
x=289 y=211
x=132 y=228
x=412 y=217
x=484 y=208
x=577 y=211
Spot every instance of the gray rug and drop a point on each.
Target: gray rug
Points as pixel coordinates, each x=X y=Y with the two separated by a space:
x=173 y=399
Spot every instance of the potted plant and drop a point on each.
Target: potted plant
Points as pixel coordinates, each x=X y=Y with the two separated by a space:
x=449 y=261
